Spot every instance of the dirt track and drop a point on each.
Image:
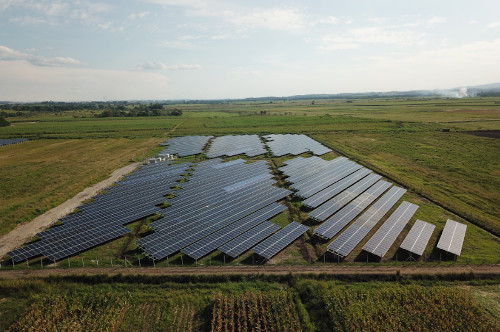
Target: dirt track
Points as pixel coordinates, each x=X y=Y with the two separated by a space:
x=479 y=270
x=25 y=232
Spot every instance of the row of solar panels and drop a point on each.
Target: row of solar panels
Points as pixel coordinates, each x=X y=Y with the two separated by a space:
x=225 y=206
x=339 y=190
x=102 y=220
x=8 y=141
x=250 y=145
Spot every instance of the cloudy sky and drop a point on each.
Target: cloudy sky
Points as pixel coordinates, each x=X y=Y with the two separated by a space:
x=195 y=49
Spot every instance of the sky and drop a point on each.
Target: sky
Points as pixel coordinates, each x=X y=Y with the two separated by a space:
x=84 y=50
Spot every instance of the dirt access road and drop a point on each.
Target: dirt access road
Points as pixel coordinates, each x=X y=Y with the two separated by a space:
x=375 y=270
x=24 y=232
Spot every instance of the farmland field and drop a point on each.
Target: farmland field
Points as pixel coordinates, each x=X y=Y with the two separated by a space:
x=259 y=303
x=421 y=144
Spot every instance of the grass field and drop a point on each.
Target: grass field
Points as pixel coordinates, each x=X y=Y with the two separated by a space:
x=258 y=303
x=39 y=175
x=422 y=144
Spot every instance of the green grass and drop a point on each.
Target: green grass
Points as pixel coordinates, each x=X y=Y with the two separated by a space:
x=39 y=175
x=459 y=171
x=402 y=139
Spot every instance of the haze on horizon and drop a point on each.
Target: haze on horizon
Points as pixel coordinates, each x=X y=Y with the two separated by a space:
x=196 y=49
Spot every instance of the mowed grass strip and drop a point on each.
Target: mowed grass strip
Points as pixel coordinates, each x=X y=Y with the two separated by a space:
x=39 y=175
x=53 y=127
x=457 y=170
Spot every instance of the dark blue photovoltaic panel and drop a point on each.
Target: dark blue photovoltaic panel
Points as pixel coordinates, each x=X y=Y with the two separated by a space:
x=217 y=239
x=186 y=145
x=279 y=241
x=249 y=239
x=385 y=236
x=281 y=145
x=333 y=225
x=352 y=236
x=230 y=145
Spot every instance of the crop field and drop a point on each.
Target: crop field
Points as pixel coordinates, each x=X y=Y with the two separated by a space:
x=257 y=304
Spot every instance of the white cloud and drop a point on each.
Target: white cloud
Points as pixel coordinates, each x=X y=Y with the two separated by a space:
x=22 y=81
x=138 y=15
x=355 y=38
x=8 y=54
x=436 y=20
x=273 y=19
x=494 y=24
x=154 y=65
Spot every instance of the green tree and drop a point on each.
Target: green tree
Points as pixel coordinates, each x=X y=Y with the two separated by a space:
x=4 y=123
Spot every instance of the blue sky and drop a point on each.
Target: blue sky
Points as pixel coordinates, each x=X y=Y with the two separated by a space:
x=195 y=49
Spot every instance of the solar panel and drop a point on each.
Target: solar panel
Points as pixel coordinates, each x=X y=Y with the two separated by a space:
x=335 y=204
x=186 y=145
x=279 y=241
x=281 y=145
x=452 y=238
x=385 y=236
x=418 y=237
x=335 y=189
x=217 y=239
x=230 y=145
x=352 y=236
x=247 y=240
x=10 y=141
x=333 y=225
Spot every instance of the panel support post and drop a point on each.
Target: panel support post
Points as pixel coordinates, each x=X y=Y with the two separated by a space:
x=182 y=260
x=140 y=262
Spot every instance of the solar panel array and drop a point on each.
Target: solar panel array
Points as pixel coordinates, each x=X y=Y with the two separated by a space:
x=5 y=141
x=385 y=236
x=418 y=237
x=281 y=145
x=352 y=236
x=218 y=203
x=277 y=242
x=102 y=220
x=452 y=238
x=324 y=211
x=247 y=240
x=186 y=145
x=232 y=145
x=333 y=225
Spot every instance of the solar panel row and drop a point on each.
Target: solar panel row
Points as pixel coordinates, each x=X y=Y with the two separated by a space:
x=324 y=195
x=277 y=242
x=418 y=237
x=217 y=239
x=333 y=225
x=281 y=145
x=452 y=238
x=230 y=145
x=4 y=141
x=352 y=236
x=385 y=236
x=335 y=204
x=102 y=220
x=186 y=145
x=219 y=202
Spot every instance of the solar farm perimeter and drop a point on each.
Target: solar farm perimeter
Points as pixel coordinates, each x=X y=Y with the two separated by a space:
x=226 y=198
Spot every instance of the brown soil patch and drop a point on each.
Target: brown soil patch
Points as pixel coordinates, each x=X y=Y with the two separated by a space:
x=485 y=133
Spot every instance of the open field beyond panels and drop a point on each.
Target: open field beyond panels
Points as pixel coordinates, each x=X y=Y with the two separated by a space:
x=423 y=145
